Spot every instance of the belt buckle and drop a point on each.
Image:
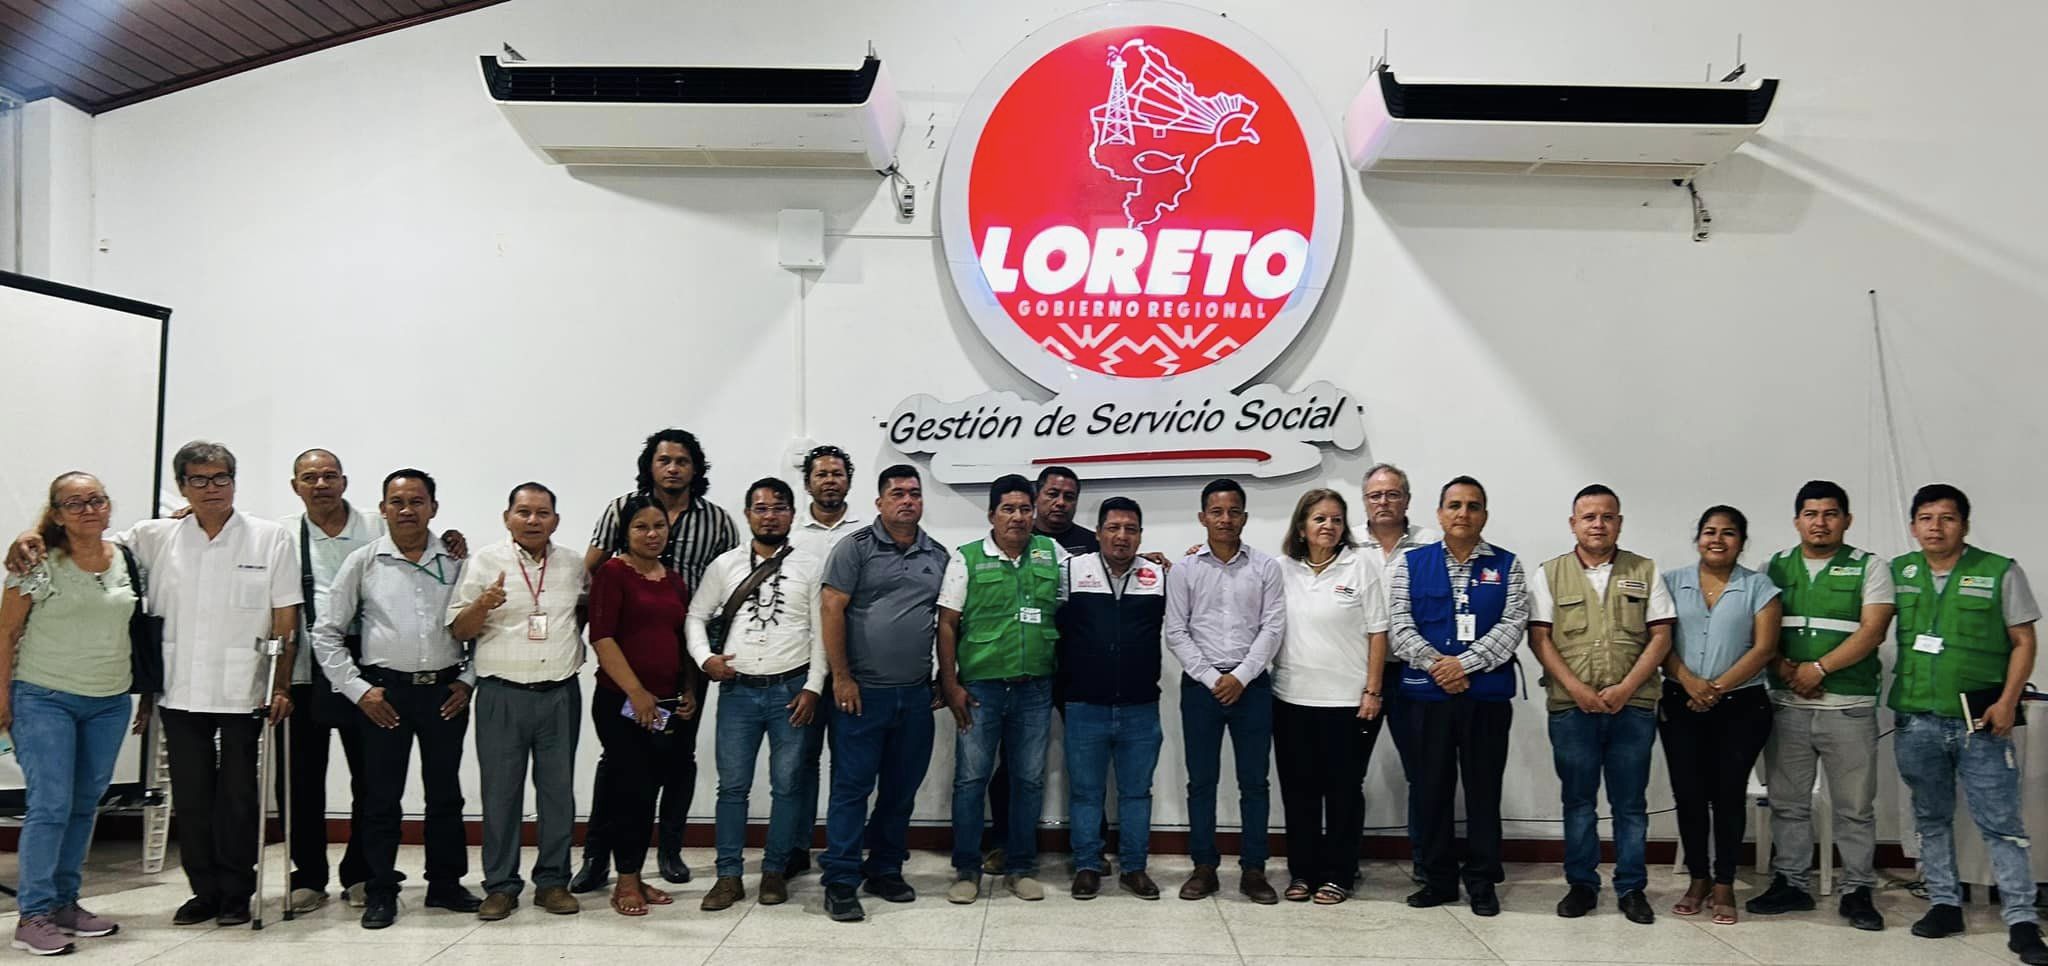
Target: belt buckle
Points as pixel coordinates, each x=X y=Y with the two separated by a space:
x=425 y=677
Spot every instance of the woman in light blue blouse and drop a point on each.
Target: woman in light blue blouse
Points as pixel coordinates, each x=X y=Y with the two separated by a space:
x=1716 y=713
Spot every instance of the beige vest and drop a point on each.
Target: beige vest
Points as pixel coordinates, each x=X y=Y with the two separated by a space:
x=1600 y=640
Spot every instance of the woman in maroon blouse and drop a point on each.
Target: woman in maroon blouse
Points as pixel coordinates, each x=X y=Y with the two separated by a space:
x=637 y=607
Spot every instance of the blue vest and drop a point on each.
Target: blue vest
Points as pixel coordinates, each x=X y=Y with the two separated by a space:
x=1435 y=609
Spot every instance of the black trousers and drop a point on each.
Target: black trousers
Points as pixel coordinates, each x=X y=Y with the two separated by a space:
x=1321 y=754
x=640 y=763
x=215 y=795
x=1395 y=710
x=307 y=796
x=674 y=787
x=387 y=754
x=1710 y=755
x=1454 y=740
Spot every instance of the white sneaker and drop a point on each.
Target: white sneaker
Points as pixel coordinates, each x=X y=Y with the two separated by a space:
x=307 y=900
x=963 y=892
x=355 y=895
x=1024 y=887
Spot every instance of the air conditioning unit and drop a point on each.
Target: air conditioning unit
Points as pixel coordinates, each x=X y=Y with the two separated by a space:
x=1601 y=131
x=749 y=117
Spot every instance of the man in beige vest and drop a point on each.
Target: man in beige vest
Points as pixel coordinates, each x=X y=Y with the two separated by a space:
x=1600 y=623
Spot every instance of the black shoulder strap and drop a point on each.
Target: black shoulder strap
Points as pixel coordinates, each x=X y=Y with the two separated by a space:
x=306 y=572
x=134 y=576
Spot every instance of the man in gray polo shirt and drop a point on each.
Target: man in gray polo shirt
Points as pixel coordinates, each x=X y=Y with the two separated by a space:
x=880 y=611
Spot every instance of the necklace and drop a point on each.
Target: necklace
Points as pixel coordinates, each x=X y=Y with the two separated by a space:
x=1318 y=567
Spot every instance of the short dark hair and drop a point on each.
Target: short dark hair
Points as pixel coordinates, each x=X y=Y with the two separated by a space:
x=513 y=496
x=1820 y=490
x=1052 y=471
x=1461 y=481
x=699 y=483
x=629 y=508
x=827 y=451
x=773 y=484
x=316 y=451
x=900 y=471
x=1723 y=510
x=1596 y=489
x=201 y=451
x=1935 y=493
x=1007 y=484
x=1223 y=484
x=409 y=473
x=1124 y=503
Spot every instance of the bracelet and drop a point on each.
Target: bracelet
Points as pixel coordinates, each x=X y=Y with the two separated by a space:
x=1372 y=694
x=1823 y=668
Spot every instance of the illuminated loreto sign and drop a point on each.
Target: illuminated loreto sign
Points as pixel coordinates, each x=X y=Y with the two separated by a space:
x=1140 y=209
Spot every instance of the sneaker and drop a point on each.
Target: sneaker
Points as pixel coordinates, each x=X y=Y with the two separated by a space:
x=73 y=920
x=1780 y=898
x=890 y=888
x=842 y=904
x=355 y=896
x=41 y=937
x=963 y=892
x=1861 y=912
x=2025 y=939
x=1024 y=887
x=307 y=900
x=799 y=863
x=1941 y=922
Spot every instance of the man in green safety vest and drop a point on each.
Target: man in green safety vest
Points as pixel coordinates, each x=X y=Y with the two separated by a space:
x=1966 y=647
x=1838 y=602
x=997 y=641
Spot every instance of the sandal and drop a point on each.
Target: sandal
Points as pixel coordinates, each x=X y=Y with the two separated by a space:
x=1695 y=897
x=1298 y=890
x=654 y=896
x=1331 y=893
x=627 y=901
x=1724 y=905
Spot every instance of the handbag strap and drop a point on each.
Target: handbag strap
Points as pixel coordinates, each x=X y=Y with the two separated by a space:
x=763 y=571
x=306 y=573
x=134 y=576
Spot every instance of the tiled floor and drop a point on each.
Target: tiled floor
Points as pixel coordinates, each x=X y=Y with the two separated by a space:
x=1374 y=930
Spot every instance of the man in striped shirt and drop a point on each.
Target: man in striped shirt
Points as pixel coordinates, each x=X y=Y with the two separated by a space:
x=673 y=468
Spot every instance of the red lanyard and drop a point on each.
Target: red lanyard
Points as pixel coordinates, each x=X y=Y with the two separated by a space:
x=530 y=588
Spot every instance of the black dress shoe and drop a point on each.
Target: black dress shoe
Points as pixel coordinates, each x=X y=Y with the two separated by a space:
x=380 y=911
x=842 y=905
x=1087 y=884
x=799 y=863
x=1941 y=922
x=890 y=888
x=1428 y=898
x=195 y=911
x=1485 y=901
x=595 y=873
x=1636 y=907
x=1578 y=901
x=454 y=898
x=1860 y=911
x=670 y=861
x=1780 y=898
x=2025 y=939
x=233 y=913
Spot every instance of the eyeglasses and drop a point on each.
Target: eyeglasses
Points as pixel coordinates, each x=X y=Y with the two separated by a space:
x=91 y=503
x=216 y=481
x=771 y=509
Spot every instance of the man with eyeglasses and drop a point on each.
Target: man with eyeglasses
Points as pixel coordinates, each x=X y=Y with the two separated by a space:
x=754 y=628
x=828 y=477
x=222 y=581
x=1388 y=536
x=412 y=682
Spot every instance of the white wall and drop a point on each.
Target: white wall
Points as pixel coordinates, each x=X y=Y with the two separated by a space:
x=56 y=192
x=363 y=256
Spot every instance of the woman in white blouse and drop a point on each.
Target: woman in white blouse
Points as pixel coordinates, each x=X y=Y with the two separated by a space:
x=1326 y=691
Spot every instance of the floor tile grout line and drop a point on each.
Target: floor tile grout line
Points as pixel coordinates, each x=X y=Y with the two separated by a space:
x=1474 y=933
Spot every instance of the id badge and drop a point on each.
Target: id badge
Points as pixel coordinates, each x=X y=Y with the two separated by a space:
x=1927 y=644
x=537 y=626
x=1468 y=627
x=1029 y=615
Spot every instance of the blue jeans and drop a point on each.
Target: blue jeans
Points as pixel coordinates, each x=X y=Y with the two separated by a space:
x=1018 y=718
x=884 y=751
x=1097 y=734
x=745 y=715
x=1933 y=751
x=66 y=744
x=1203 y=720
x=1584 y=747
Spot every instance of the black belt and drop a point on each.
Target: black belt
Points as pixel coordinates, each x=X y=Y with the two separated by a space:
x=384 y=677
x=769 y=680
x=534 y=686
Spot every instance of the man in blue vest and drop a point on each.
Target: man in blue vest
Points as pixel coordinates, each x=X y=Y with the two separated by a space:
x=1966 y=647
x=1112 y=607
x=1457 y=612
x=997 y=640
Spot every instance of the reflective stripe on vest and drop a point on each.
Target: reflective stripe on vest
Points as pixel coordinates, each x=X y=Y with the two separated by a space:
x=1821 y=624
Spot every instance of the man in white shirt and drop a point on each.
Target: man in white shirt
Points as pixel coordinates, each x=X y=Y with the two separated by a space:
x=828 y=477
x=529 y=705
x=1389 y=535
x=754 y=628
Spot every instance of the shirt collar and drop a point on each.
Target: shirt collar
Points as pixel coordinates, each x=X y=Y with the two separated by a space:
x=922 y=541
x=1482 y=549
x=811 y=522
x=993 y=549
x=385 y=547
x=519 y=552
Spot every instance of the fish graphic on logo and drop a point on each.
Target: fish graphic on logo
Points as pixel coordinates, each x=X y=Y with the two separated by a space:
x=1155 y=132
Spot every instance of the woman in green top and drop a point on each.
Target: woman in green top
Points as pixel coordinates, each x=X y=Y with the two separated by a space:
x=64 y=693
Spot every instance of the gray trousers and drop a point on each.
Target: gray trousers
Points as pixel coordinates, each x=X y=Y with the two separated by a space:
x=513 y=726
x=1844 y=742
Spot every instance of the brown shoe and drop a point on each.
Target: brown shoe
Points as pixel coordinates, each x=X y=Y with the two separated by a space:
x=1087 y=884
x=1139 y=884
x=774 y=889
x=557 y=901
x=497 y=906
x=1202 y=884
x=1255 y=887
x=726 y=891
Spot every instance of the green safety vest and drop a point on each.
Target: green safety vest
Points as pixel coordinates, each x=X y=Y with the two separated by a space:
x=1820 y=613
x=1968 y=614
x=1600 y=638
x=996 y=641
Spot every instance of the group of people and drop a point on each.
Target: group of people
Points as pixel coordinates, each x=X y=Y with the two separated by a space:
x=819 y=627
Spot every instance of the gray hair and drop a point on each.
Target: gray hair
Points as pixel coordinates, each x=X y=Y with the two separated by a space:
x=1378 y=468
x=201 y=451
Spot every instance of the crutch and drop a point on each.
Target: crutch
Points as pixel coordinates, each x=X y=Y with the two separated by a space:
x=284 y=807
x=270 y=648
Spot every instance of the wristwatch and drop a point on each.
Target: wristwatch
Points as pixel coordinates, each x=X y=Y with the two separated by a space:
x=1821 y=667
